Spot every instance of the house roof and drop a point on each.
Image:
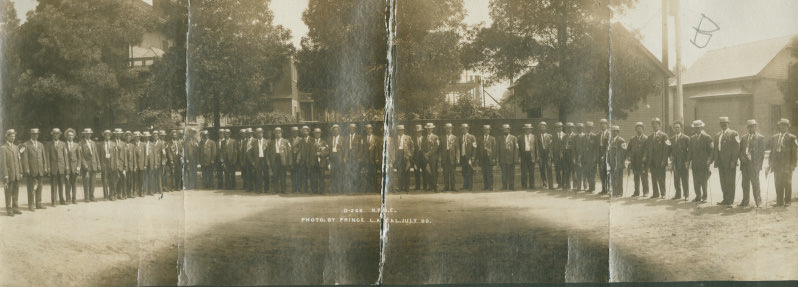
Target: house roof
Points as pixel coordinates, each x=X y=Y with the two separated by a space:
x=139 y=52
x=734 y=62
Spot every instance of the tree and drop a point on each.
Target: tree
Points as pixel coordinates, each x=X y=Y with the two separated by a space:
x=343 y=58
x=235 y=53
x=9 y=62
x=73 y=62
x=166 y=87
x=790 y=86
x=558 y=53
x=428 y=47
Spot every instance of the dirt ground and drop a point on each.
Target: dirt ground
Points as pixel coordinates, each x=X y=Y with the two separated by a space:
x=233 y=237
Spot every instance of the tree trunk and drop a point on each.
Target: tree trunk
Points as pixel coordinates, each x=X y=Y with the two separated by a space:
x=562 y=113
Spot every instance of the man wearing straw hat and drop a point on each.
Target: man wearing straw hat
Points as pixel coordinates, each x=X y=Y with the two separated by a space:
x=353 y=159
x=108 y=163
x=617 y=158
x=637 y=151
x=657 y=158
x=430 y=149
x=57 y=158
x=281 y=159
x=528 y=156
x=89 y=163
x=590 y=154
x=372 y=147
x=545 y=155
x=700 y=151
x=419 y=164
x=450 y=158
x=783 y=150
x=12 y=172
x=680 y=161
x=557 y=146
x=508 y=156
x=73 y=166
x=34 y=168
x=752 y=154
x=604 y=141
x=727 y=153
x=120 y=187
x=468 y=145
x=487 y=157
x=139 y=164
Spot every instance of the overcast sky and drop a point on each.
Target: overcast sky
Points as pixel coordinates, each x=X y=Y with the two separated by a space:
x=740 y=21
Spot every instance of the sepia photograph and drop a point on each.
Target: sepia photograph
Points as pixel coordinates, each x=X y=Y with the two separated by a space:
x=399 y=142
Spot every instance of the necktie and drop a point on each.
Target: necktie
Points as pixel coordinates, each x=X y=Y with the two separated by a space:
x=277 y=147
x=781 y=139
x=462 y=150
x=720 y=139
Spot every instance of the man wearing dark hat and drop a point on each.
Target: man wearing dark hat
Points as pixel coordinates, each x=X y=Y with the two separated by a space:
x=430 y=152
x=259 y=156
x=35 y=168
x=528 y=156
x=372 y=158
x=281 y=157
x=658 y=146
x=604 y=142
x=617 y=159
x=783 y=155
x=486 y=156
x=508 y=156
x=545 y=155
x=557 y=146
x=419 y=165
x=353 y=159
x=11 y=167
x=450 y=158
x=727 y=153
x=90 y=164
x=57 y=158
x=680 y=160
x=701 y=148
x=207 y=159
x=153 y=155
x=638 y=151
x=590 y=154
x=752 y=154
x=468 y=145
x=73 y=159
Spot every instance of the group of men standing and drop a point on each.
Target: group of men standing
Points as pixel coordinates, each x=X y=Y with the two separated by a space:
x=129 y=163
x=353 y=160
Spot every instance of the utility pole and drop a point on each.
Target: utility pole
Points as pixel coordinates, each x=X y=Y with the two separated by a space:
x=678 y=103
x=665 y=81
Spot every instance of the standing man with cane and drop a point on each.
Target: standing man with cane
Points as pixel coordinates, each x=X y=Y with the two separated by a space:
x=783 y=150
x=752 y=154
x=727 y=143
x=12 y=172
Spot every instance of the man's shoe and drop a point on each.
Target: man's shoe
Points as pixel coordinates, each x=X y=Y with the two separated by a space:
x=16 y=211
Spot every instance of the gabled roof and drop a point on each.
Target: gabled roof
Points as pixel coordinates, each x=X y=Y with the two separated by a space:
x=734 y=62
x=151 y=52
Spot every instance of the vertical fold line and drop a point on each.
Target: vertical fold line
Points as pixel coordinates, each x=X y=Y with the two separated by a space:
x=387 y=124
x=609 y=145
x=181 y=260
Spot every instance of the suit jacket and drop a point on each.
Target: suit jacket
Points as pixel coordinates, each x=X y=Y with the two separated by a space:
x=507 y=149
x=617 y=153
x=450 y=150
x=545 y=141
x=297 y=148
x=558 y=145
x=658 y=146
x=153 y=154
x=319 y=151
x=372 y=149
x=353 y=148
x=487 y=151
x=243 y=153
x=107 y=154
x=727 y=149
x=700 y=151
x=604 y=142
x=337 y=152
x=285 y=155
x=90 y=157
x=431 y=149
x=174 y=152
x=140 y=159
x=34 y=159
x=407 y=148
x=73 y=157
x=258 y=148
x=680 y=145
x=121 y=155
x=227 y=153
x=532 y=154
x=569 y=147
x=11 y=161
x=57 y=157
x=590 y=149
x=752 y=151
x=783 y=152
x=468 y=146
x=638 y=151
x=207 y=152
x=131 y=151
x=418 y=151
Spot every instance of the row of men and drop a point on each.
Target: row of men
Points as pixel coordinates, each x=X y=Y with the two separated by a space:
x=353 y=160
x=129 y=163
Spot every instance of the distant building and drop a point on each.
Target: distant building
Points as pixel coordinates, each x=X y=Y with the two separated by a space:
x=154 y=43
x=741 y=82
x=471 y=86
x=286 y=97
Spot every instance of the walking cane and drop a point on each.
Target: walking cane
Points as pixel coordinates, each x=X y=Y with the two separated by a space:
x=767 y=190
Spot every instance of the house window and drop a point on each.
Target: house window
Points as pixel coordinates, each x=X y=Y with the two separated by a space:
x=533 y=113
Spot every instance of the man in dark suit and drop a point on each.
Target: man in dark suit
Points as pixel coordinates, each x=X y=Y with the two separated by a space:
x=120 y=168
x=487 y=157
x=57 y=156
x=508 y=156
x=680 y=145
x=191 y=158
x=353 y=160
x=604 y=141
x=12 y=172
x=318 y=151
x=557 y=147
x=152 y=163
x=230 y=147
x=337 y=172
x=468 y=145
x=617 y=156
x=207 y=159
x=590 y=155
x=34 y=168
x=130 y=168
x=577 y=171
x=259 y=156
x=139 y=173
x=568 y=146
x=304 y=160
x=221 y=158
x=450 y=151
x=281 y=156
x=160 y=145
x=658 y=145
x=243 y=158
x=296 y=157
x=752 y=154
x=372 y=158
x=528 y=151
x=637 y=159
x=419 y=165
x=726 y=154
x=783 y=150
x=73 y=166
x=174 y=151
x=89 y=164
x=430 y=153
x=545 y=156
x=701 y=148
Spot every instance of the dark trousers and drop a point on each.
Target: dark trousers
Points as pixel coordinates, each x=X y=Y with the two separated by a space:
x=617 y=182
x=88 y=185
x=750 y=182
x=487 y=177
x=107 y=181
x=337 y=177
x=137 y=180
x=246 y=176
x=229 y=178
x=589 y=175
x=448 y=176
x=468 y=173
x=657 y=181
x=191 y=176
x=374 y=183
x=314 y=176
x=166 y=174
x=207 y=176
x=559 y=171
x=783 y=186
x=261 y=176
x=681 y=181
x=641 y=181
x=577 y=174
x=11 y=190
x=121 y=184
x=603 y=174
x=545 y=172
x=431 y=177
x=728 y=176
x=294 y=178
x=700 y=176
x=567 y=170
x=508 y=176
x=34 y=191
x=57 y=182
x=72 y=187
x=419 y=172
x=220 y=176
x=303 y=174
x=279 y=173
x=527 y=171
x=153 y=179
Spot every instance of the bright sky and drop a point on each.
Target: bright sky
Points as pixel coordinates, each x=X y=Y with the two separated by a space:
x=740 y=21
